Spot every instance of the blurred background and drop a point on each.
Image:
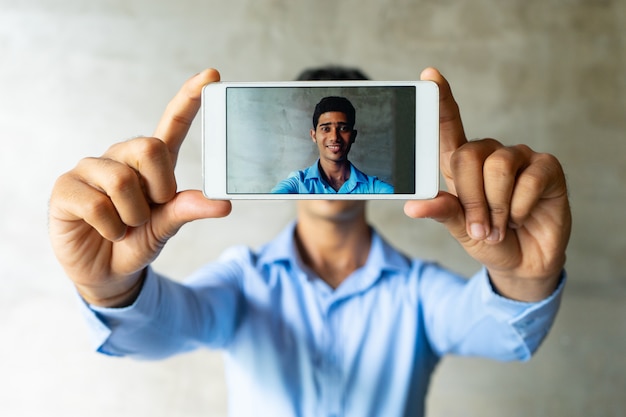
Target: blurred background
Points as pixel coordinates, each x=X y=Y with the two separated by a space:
x=77 y=76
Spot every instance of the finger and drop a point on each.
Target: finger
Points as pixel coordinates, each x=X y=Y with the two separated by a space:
x=187 y=206
x=121 y=184
x=445 y=209
x=500 y=173
x=467 y=167
x=542 y=179
x=151 y=161
x=74 y=200
x=182 y=109
x=451 y=133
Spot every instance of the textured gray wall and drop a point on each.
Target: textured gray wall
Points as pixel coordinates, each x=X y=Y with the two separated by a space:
x=268 y=133
x=76 y=76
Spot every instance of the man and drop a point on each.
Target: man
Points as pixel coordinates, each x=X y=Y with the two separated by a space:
x=327 y=319
x=333 y=132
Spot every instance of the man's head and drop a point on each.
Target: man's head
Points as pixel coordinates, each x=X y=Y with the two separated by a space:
x=331 y=73
x=335 y=104
x=333 y=129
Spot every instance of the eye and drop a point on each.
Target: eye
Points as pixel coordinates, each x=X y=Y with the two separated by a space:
x=344 y=129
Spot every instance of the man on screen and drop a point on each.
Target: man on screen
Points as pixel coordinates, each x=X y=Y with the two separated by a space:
x=333 y=132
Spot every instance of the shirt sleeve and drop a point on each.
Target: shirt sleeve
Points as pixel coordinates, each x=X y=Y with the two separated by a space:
x=170 y=317
x=469 y=318
x=284 y=187
x=381 y=187
x=287 y=186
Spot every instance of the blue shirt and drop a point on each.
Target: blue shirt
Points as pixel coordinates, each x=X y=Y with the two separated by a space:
x=310 y=181
x=295 y=347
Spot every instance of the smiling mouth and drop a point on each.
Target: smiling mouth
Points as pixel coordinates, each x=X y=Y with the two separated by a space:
x=334 y=148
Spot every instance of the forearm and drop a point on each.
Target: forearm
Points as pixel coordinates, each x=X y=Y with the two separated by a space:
x=471 y=318
x=167 y=317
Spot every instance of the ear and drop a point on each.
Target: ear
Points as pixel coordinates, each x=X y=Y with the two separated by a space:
x=353 y=139
x=312 y=133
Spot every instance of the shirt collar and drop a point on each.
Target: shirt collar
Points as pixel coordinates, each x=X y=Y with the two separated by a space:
x=281 y=248
x=382 y=257
x=356 y=176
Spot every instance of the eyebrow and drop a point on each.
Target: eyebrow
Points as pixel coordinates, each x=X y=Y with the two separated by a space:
x=330 y=123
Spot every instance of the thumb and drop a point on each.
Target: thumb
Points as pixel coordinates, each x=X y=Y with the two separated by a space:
x=445 y=209
x=185 y=207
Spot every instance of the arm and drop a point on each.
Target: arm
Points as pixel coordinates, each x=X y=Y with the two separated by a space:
x=506 y=205
x=289 y=185
x=110 y=216
x=170 y=317
x=381 y=187
x=467 y=317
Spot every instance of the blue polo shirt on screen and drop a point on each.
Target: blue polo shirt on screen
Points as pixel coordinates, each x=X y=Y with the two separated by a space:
x=310 y=181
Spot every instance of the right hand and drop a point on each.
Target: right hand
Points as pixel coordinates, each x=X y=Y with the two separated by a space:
x=110 y=217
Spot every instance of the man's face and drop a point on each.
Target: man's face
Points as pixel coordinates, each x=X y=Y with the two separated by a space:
x=336 y=211
x=333 y=136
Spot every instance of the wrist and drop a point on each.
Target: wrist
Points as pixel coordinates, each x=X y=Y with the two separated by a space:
x=524 y=289
x=121 y=295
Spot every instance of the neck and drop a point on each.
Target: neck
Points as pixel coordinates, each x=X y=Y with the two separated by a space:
x=336 y=245
x=336 y=173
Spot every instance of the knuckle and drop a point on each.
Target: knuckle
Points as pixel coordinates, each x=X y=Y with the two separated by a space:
x=98 y=209
x=122 y=179
x=523 y=148
x=535 y=180
x=61 y=191
x=517 y=215
x=550 y=162
x=474 y=205
x=501 y=162
x=84 y=165
x=63 y=181
x=150 y=148
x=137 y=150
x=474 y=152
x=464 y=156
x=499 y=210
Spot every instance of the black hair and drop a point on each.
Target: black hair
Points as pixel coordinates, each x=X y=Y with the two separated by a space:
x=331 y=72
x=338 y=104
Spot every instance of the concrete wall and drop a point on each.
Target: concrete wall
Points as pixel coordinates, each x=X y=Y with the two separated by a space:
x=76 y=76
x=268 y=133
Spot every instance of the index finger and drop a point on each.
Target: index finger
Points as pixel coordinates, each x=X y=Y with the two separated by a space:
x=451 y=133
x=182 y=109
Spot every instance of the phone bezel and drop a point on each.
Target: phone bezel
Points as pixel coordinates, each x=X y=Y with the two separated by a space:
x=214 y=137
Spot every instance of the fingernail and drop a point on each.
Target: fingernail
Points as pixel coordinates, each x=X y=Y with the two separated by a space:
x=477 y=231
x=494 y=236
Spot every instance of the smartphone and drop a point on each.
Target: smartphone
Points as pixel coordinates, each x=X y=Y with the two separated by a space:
x=320 y=140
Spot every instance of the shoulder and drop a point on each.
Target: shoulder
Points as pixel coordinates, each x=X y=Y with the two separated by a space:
x=374 y=184
x=382 y=187
x=291 y=184
x=246 y=260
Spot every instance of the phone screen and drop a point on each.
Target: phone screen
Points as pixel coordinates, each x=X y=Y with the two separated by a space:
x=273 y=145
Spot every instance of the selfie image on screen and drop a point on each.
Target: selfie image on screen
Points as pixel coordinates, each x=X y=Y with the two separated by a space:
x=320 y=140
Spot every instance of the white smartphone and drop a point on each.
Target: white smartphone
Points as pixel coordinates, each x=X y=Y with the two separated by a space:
x=320 y=140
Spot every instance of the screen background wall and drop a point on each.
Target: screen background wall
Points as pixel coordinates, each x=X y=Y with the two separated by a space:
x=268 y=131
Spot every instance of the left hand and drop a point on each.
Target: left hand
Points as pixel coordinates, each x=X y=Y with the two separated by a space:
x=506 y=205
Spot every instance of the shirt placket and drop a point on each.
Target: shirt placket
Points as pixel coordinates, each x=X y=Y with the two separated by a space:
x=329 y=366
